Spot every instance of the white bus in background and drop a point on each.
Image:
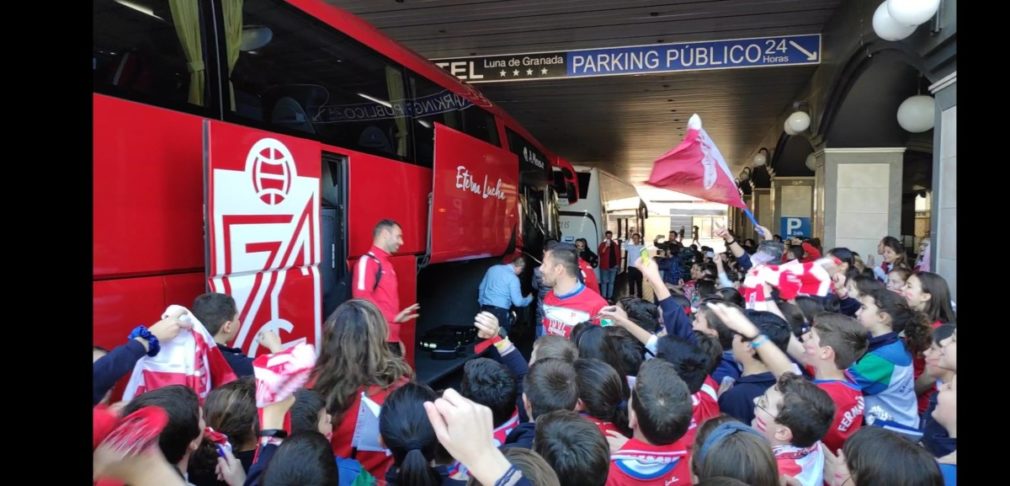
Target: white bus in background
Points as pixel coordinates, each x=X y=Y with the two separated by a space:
x=605 y=203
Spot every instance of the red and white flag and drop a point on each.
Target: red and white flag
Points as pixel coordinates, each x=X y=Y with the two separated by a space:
x=792 y=279
x=190 y=359
x=696 y=168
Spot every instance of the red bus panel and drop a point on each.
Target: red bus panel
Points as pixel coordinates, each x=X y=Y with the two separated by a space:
x=379 y=189
x=122 y=304
x=148 y=202
x=475 y=197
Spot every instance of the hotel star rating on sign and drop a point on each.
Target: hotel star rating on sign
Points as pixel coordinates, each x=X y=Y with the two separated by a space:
x=515 y=72
x=501 y=69
x=505 y=68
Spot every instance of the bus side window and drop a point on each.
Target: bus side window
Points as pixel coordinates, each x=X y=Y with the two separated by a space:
x=480 y=124
x=290 y=106
x=137 y=53
x=311 y=79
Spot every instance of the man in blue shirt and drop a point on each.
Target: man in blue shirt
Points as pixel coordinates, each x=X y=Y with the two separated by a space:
x=500 y=290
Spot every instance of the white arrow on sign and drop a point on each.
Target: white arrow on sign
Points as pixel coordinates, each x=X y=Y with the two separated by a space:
x=811 y=56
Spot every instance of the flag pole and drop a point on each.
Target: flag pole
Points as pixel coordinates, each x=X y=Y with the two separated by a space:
x=750 y=216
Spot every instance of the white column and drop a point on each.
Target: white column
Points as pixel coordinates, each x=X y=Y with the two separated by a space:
x=944 y=225
x=792 y=197
x=862 y=197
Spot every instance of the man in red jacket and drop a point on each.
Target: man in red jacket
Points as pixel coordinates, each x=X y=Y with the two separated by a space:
x=610 y=263
x=375 y=279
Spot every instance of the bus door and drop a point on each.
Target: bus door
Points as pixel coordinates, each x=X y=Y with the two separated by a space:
x=333 y=269
x=262 y=203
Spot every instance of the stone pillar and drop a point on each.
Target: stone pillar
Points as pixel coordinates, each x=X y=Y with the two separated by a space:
x=761 y=206
x=818 y=196
x=862 y=197
x=792 y=197
x=943 y=234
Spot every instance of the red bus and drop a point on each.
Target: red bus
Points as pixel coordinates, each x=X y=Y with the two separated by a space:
x=250 y=147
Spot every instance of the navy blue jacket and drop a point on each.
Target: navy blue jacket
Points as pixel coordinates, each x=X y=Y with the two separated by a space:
x=522 y=435
x=240 y=363
x=113 y=366
x=516 y=363
x=739 y=400
x=934 y=437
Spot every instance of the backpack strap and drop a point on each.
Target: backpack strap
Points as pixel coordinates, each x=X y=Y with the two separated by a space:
x=378 y=273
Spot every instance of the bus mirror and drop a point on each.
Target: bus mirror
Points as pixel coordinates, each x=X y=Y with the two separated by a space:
x=570 y=191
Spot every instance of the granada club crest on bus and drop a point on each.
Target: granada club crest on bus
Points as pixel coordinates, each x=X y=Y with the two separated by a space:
x=272 y=168
x=264 y=227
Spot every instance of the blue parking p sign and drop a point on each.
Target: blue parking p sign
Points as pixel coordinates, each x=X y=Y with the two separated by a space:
x=795 y=226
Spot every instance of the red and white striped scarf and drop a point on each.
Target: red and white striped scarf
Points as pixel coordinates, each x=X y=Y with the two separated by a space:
x=190 y=359
x=280 y=374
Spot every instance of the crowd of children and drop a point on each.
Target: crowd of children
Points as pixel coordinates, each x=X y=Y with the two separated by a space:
x=774 y=363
